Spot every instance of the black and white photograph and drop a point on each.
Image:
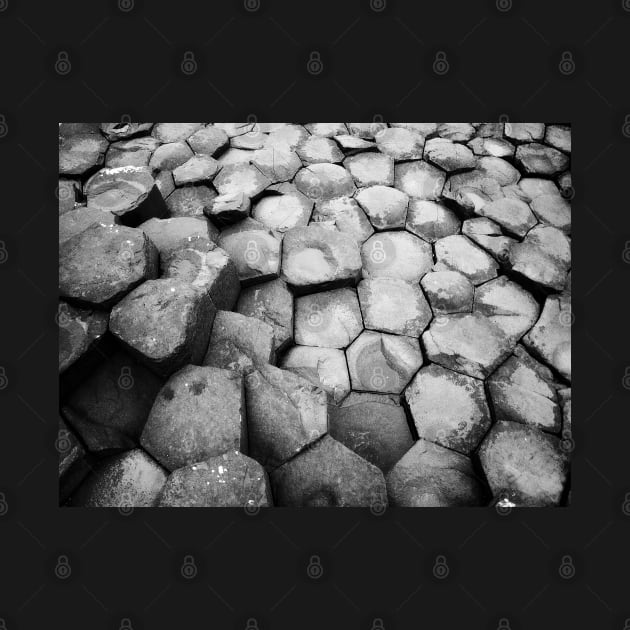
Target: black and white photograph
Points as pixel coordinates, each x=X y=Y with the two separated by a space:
x=315 y=314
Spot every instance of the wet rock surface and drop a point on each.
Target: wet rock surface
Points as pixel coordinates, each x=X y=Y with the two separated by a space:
x=319 y=314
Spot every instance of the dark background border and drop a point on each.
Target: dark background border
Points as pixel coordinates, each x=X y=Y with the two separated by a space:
x=375 y=63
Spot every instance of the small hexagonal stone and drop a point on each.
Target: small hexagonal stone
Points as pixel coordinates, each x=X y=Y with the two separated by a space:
x=329 y=364
x=283 y=212
x=198 y=414
x=328 y=475
x=550 y=338
x=370 y=169
x=81 y=153
x=239 y=343
x=128 y=192
x=190 y=201
x=254 y=250
x=430 y=475
x=496 y=147
x=400 y=144
x=457 y=132
x=324 y=181
x=384 y=363
x=394 y=306
x=169 y=156
x=199 y=168
x=272 y=303
x=386 y=206
x=313 y=257
x=244 y=178
x=100 y=265
x=116 y=131
x=345 y=215
x=126 y=480
x=553 y=209
x=285 y=413
x=523 y=464
x=488 y=235
x=539 y=159
x=458 y=253
x=169 y=235
x=430 y=220
x=374 y=426
x=513 y=214
x=134 y=152
x=396 y=255
x=330 y=319
x=207 y=267
x=507 y=305
x=366 y=130
x=166 y=323
x=448 y=408
x=466 y=342
x=559 y=137
x=277 y=163
x=79 y=331
x=419 y=179
x=544 y=257
x=227 y=209
x=448 y=292
x=525 y=132
x=316 y=149
x=523 y=390
x=208 y=140
x=227 y=480
x=175 y=132
x=75 y=221
x=450 y=156
x=326 y=130
x=110 y=407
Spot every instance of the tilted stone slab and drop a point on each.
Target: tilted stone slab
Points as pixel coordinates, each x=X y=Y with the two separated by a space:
x=321 y=182
x=79 y=332
x=385 y=206
x=458 y=253
x=169 y=235
x=539 y=159
x=170 y=156
x=244 y=178
x=431 y=221
x=343 y=214
x=209 y=140
x=449 y=156
x=448 y=292
x=81 y=153
x=371 y=169
x=513 y=214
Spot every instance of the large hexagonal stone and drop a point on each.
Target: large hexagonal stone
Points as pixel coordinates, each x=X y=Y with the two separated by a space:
x=315 y=258
x=168 y=157
x=166 y=323
x=448 y=292
x=285 y=412
x=100 y=265
x=172 y=234
x=316 y=149
x=345 y=215
x=198 y=414
x=466 y=342
x=324 y=181
x=209 y=140
x=448 y=408
x=383 y=363
x=396 y=254
x=329 y=475
x=243 y=178
x=330 y=319
x=433 y=476
x=175 y=132
x=524 y=465
x=539 y=159
x=430 y=220
x=400 y=144
x=227 y=480
x=371 y=169
x=450 y=156
x=81 y=153
x=283 y=212
x=386 y=206
x=419 y=179
x=458 y=253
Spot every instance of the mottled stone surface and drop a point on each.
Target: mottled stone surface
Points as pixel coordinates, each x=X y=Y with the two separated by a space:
x=169 y=235
x=283 y=212
x=371 y=169
x=419 y=179
x=198 y=414
x=400 y=144
x=81 y=153
x=458 y=253
x=198 y=169
x=449 y=156
x=513 y=214
x=345 y=215
x=168 y=157
x=190 y=201
x=244 y=178
x=385 y=206
x=321 y=182
x=209 y=140
x=539 y=159
x=448 y=292
x=431 y=221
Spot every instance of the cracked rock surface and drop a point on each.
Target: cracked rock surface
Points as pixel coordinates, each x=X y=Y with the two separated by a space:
x=314 y=314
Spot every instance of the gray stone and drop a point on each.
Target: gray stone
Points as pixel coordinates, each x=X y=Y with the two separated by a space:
x=457 y=132
x=354 y=144
x=235 y=129
x=458 y=253
x=75 y=221
x=496 y=147
x=326 y=130
x=385 y=206
x=554 y=210
x=330 y=366
x=424 y=129
x=230 y=480
x=384 y=363
x=164 y=183
x=68 y=192
x=81 y=153
x=116 y=131
x=400 y=144
x=239 y=343
x=79 y=332
x=126 y=480
x=533 y=187
x=374 y=426
x=559 y=137
x=329 y=475
x=523 y=390
x=430 y=220
x=287 y=135
x=448 y=408
x=175 y=132
x=499 y=170
x=345 y=215
x=539 y=159
x=525 y=132
x=251 y=140
x=448 y=292
x=278 y=164
x=432 y=476
x=316 y=149
x=209 y=140
x=367 y=131
x=134 y=152
x=198 y=414
x=513 y=214
x=100 y=265
x=322 y=182
x=450 y=156
x=283 y=212
x=227 y=209
x=272 y=303
x=396 y=255
x=169 y=235
x=199 y=168
x=523 y=464
x=419 y=179
x=165 y=323
x=73 y=466
x=466 y=342
x=371 y=169
x=285 y=413
x=190 y=201
x=394 y=306
x=313 y=257
x=244 y=178
x=488 y=235
x=169 y=156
